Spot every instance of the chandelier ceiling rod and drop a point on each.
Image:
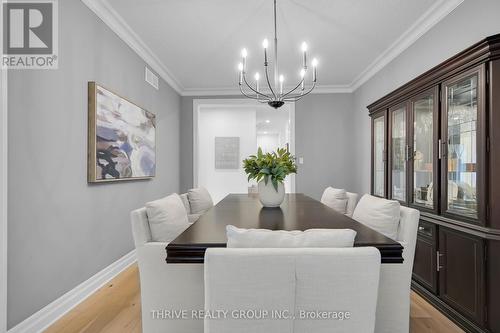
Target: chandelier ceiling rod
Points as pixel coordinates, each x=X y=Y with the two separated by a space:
x=276 y=73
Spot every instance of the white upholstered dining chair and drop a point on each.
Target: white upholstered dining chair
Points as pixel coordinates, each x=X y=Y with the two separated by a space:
x=393 y=308
x=300 y=281
x=165 y=286
x=340 y=200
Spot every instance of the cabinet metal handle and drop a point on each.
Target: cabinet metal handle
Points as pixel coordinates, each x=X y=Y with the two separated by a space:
x=438 y=257
x=421 y=228
x=440 y=149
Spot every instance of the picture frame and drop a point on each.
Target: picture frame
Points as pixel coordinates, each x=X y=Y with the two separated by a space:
x=121 y=138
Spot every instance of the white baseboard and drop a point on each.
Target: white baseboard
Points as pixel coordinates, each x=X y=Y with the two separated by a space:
x=42 y=319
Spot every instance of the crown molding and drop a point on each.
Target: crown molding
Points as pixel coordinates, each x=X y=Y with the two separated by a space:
x=117 y=24
x=232 y=91
x=332 y=89
x=439 y=10
x=222 y=91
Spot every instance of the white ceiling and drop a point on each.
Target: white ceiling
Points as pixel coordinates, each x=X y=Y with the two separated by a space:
x=197 y=43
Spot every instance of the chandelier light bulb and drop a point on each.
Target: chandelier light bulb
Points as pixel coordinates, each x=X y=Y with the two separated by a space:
x=240 y=69
x=302 y=75
x=257 y=77
x=265 y=43
x=315 y=65
x=304 y=54
x=244 y=59
x=282 y=79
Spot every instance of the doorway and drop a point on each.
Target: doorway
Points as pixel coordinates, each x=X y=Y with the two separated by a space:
x=227 y=131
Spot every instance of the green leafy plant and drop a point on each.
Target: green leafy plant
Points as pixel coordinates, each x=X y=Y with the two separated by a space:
x=273 y=166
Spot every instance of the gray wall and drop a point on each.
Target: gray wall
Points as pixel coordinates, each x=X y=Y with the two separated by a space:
x=323 y=130
x=466 y=25
x=62 y=230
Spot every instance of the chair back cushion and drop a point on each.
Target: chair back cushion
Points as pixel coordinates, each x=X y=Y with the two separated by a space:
x=352 y=201
x=263 y=238
x=199 y=200
x=299 y=282
x=167 y=218
x=185 y=201
x=192 y=218
x=379 y=214
x=335 y=198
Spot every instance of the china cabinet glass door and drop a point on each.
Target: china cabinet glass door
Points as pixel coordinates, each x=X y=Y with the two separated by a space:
x=379 y=156
x=424 y=113
x=398 y=153
x=461 y=145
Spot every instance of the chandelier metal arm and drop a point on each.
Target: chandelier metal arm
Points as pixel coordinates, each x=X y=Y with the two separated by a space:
x=298 y=97
x=291 y=91
x=269 y=83
x=255 y=91
x=245 y=94
x=249 y=96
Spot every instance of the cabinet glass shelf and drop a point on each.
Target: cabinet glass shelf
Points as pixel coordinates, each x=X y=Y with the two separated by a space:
x=398 y=154
x=461 y=156
x=423 y=162
x=378 y=155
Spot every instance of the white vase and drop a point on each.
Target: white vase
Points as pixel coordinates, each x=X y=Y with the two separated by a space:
x=268 y=195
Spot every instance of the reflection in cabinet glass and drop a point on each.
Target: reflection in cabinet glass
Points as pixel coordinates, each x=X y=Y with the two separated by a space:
x=378 y=156
x=461 y=148
x=423 y=140
x=398 y=154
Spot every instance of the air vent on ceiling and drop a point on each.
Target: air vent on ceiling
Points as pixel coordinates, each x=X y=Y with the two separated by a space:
x=151 y=78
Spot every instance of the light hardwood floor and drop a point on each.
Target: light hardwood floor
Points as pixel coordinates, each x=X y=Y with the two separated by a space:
x=116 y=307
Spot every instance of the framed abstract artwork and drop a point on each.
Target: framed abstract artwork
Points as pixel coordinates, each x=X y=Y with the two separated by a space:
x=121 y=138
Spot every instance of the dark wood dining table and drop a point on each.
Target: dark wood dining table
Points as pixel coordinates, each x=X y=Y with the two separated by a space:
x=297 y=212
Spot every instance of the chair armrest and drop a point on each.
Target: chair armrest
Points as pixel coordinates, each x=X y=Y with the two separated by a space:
x=152 y=253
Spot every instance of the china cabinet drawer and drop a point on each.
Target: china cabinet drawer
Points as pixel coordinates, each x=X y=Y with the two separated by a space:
x=427 y=230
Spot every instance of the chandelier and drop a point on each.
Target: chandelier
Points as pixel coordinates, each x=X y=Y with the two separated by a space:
x=273 y=94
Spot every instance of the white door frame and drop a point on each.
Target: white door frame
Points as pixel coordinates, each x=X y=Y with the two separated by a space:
x=3 y=188
x=198 y=104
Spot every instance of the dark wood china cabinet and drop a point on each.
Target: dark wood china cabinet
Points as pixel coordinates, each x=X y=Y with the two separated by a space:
x=436 y=148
